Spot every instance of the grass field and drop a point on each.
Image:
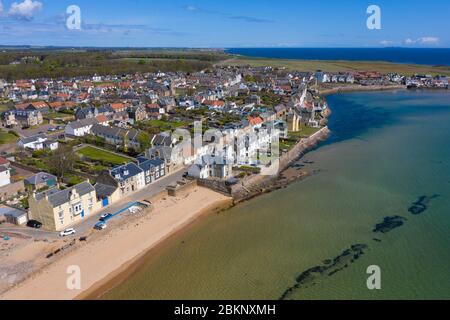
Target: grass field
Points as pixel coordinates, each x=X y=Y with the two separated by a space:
x=94 y=154
x=304 y=132
x=54 y=115
x=6 y=137
x=338 y=66
x=163 y=125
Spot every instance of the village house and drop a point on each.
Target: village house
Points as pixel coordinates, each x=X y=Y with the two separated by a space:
x=107 y=194
x=41 y=106
x=5 y=176
x=117 y=136
x=163 y=140
x=23 y=118
x=38 y=142
x=127 y=178
x=59 y=209
x=41 y=180
x=137 y=113
x=154 y=169
x=80 y=128
x=118 y=107
x=209 y=167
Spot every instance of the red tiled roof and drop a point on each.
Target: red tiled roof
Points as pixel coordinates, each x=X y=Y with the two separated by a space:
x=55 y=105
x=3 y=161
x=215 y=103
x=101 y=118
x=117 y=106
x=254 y=121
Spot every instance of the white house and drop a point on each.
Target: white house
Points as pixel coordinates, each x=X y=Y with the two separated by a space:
x=5 y=176
x=80 y=128
x=208 y=166
x=38 y=142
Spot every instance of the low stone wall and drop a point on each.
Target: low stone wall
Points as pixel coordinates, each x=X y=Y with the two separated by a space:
x=24 y=167
x=11 y=189
x=216 y=185
x=302 y=147
x=182 y=186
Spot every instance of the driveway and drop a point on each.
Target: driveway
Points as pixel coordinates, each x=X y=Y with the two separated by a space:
x=42 y=128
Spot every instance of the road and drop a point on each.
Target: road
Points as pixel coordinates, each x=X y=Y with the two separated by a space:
x=82 y=228
x=25 y=133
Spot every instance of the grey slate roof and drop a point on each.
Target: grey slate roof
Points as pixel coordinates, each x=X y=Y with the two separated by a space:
x=59 y=197
x=82 y=123
x=39 y=178
x=126 y=171
x=104 y=190
x=33 y=138
x=162 y=139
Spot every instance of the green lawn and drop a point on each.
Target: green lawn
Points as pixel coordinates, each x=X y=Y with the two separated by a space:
x=97 y=155
x=5 y=107
x=163 y=125
x=338 y=66
x=6 y=137
x=54 y=115
x=304 y=132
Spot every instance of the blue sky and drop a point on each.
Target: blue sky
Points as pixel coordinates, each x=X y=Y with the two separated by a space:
x=231 y=23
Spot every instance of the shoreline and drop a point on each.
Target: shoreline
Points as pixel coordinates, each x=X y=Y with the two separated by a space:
x=354 y=88
x=284 y=179
x=121 y=274
x=113 y=253
x=120 y=271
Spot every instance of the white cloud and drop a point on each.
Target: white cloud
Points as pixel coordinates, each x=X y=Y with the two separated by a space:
x=387 y=43
x=422 y=41
x=25 y=10
x=191 y=8
x=429 y=40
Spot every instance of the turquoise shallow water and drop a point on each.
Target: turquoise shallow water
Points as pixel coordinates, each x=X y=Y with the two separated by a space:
x=387 y=149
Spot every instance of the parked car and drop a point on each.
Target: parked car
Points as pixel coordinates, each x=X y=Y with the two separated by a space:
x=67 y=232
x=34 y=224
x=51 y=129
x=100 y=226
x=105 y=217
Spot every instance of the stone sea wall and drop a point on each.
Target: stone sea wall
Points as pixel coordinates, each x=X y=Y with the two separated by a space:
x=257 y=184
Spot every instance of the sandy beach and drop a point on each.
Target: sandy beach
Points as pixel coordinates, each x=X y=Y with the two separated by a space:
x=103 y=258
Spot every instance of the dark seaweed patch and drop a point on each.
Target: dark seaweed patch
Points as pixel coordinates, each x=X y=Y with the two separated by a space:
x=421 y=205
x=330 y=267
x=389 y=223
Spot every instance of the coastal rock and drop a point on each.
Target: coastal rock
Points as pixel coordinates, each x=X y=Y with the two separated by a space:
x=389 y=223
x=329 y=267
x=421 y=205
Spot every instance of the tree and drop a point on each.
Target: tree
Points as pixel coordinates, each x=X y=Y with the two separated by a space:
x=144 y=140
x=62 y=161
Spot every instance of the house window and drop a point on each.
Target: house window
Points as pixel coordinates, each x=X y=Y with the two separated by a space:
x=61 y=216
x=77 y=209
